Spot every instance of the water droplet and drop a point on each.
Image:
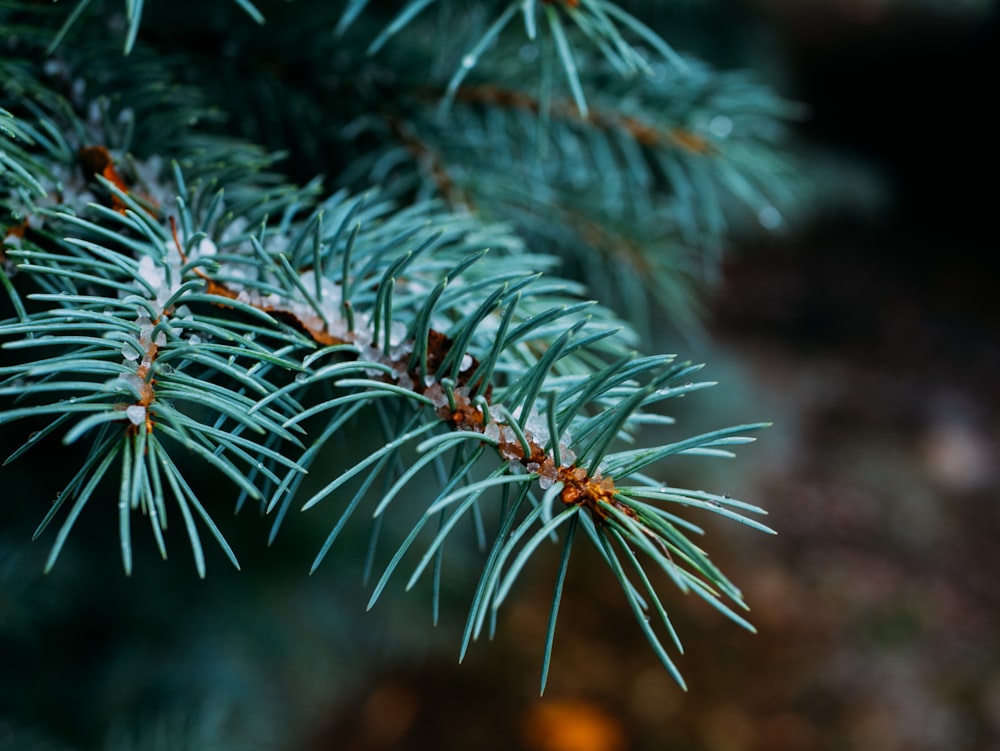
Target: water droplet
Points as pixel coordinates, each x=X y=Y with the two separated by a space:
x=721 y=126
x=301 y=377
x=769 y=217
x=468 y=61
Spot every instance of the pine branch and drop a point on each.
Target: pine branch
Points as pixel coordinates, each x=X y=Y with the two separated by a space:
x=670 y=166
x=666 y=170
x=212 y=312
x=649 y=190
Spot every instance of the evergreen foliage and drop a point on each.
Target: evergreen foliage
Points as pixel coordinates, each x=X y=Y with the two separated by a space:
x=177 y=303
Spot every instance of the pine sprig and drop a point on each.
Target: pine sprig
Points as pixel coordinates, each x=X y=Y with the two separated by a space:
x=212 y=314
x=649 y=186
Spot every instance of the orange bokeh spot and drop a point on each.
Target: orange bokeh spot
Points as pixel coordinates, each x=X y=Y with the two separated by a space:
x=572 y=725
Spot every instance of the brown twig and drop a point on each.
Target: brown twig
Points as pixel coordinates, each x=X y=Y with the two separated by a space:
x=644 y=133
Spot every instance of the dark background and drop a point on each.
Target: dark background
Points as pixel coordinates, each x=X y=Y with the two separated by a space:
x=867 y=336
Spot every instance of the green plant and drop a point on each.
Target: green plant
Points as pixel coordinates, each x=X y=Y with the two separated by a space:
x=176 y=303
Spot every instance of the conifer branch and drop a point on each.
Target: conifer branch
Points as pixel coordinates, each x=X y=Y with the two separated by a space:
x=175 y=300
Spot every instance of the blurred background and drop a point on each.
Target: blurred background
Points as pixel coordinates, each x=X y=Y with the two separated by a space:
x=867 y=336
